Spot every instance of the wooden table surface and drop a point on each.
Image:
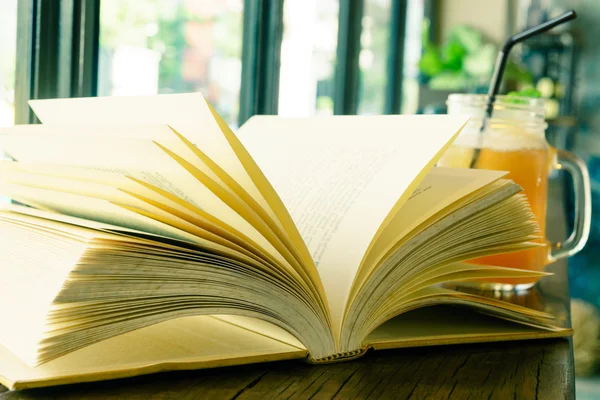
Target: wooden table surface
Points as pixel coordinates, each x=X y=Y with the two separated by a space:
x=514 y=370
x=539 y=369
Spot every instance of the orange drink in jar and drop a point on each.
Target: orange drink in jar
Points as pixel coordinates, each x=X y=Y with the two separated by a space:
x=513 y=140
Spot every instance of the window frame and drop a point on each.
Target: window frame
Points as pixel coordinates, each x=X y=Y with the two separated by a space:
x=261 y=58
x=57 y=52
x=347 y=70
x=395 y=62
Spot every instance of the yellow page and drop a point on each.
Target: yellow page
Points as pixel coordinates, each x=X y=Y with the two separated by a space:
x=190 y=115
x=140 y=158
x=448 y=273
x=438 y=190
x=92 y=230
x=136 y=157
x=124 y=134
x=32 y=282
x=150 y=164
x=44 y=216
x=92 y=183
x=93 y=209
x=133 y=194
x=139 y=219
x=339 y=177
x=83 y=229
x=442 y=325
x=16 y=143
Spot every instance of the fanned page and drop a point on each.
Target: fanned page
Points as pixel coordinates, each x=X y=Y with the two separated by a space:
x=211 y=139
x=441 y=189
x=135 y=173
x=443 y=325
x=97 y=186
x=342 y=177
x=106 y=161
x=452 y=324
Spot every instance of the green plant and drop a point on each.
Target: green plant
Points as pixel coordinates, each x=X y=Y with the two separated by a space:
x=464 y=61
x=517 y=97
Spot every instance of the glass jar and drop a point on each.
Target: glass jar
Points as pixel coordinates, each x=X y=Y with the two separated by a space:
x=514 y=140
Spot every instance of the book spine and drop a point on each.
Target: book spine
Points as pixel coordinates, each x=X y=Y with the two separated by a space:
x=348 y=355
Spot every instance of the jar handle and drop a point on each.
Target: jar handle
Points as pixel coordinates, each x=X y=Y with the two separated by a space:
x=583 y=206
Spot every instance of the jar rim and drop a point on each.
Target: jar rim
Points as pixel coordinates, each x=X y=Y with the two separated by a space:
x=475 y=123
x=502 y=101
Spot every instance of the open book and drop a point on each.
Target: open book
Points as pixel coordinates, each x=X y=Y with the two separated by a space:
x=146 y=236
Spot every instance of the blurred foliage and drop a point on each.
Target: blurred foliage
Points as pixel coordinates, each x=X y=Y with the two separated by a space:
x=519 y=97
x=527 y=92
x=518 y=73
x=324 y=103
x=464 y=62
x=184 y=35
x=160 y=25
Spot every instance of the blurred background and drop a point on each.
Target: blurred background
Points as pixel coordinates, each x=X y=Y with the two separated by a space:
x=314 y=57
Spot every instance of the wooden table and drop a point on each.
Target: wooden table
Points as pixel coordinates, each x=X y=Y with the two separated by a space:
x=517 y=370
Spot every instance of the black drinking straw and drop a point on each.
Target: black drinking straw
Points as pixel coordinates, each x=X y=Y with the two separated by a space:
x=501 y=64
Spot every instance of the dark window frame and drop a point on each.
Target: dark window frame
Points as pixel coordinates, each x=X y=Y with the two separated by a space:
x=395 y=62
x=347 y=70
x=261 y=52
x=57 y=51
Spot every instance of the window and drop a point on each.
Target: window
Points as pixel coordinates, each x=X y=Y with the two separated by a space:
x=412 y=54
x=308 y=52
x=8 y=49
x=167 y=46
x=294 y=57
x=372 y=60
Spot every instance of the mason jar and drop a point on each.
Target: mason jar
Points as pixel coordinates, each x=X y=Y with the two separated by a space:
x=514 y=140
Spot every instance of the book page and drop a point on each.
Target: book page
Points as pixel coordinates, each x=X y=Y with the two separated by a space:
x=82 y=228
x=109 y=160
x=30 y=284
x=438 y=190
x=263 y=327
x=16 y=141
x=187 y=113
x=191 y=116
x=108 y=154
x=69 y=223
x=340 y=177
x=457 y=272
x=93 y=209
x=185 y=343
x=441 y=325
x=127 y=192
